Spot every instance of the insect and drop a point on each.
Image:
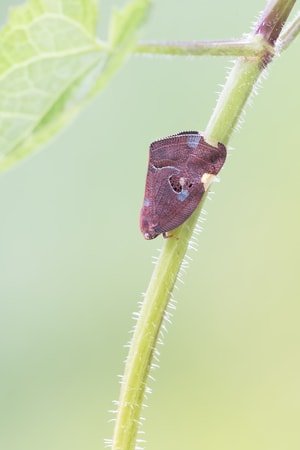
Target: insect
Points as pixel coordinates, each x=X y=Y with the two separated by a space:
x=179 y=170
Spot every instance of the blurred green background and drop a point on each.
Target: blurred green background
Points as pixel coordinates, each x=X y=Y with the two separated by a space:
x=73 y=263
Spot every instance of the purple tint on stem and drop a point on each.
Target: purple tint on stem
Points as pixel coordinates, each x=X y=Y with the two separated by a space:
x=273 y=19
x=271 y=24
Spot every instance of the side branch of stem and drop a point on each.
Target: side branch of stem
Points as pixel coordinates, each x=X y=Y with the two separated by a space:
x=253 y=46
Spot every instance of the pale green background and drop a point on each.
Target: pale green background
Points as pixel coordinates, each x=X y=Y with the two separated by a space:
x=73 y=263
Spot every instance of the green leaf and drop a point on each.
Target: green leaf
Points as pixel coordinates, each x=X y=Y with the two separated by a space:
x=124 y=23
x=123 y=36
x=51 y=64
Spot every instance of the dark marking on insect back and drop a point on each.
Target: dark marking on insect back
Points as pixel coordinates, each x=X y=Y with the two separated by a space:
x=177 y=166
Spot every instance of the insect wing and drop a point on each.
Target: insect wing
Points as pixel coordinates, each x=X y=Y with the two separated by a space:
x=174 y=183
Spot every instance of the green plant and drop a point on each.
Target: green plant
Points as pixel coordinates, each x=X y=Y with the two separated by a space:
x=82 y=67
x=263 y=43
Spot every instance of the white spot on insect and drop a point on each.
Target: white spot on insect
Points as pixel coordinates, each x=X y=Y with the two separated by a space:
x=147 y=202
x=181 y=181
x=183 y=195
x=193 y=140
x=207 y=179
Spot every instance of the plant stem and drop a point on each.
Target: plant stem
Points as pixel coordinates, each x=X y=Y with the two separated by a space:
x=290 y=33
x=236 y=92
x=254 y=46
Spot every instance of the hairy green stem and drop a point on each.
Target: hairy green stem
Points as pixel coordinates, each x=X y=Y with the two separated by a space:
x=230 y=105
x=290 y=33
x=253 y=46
